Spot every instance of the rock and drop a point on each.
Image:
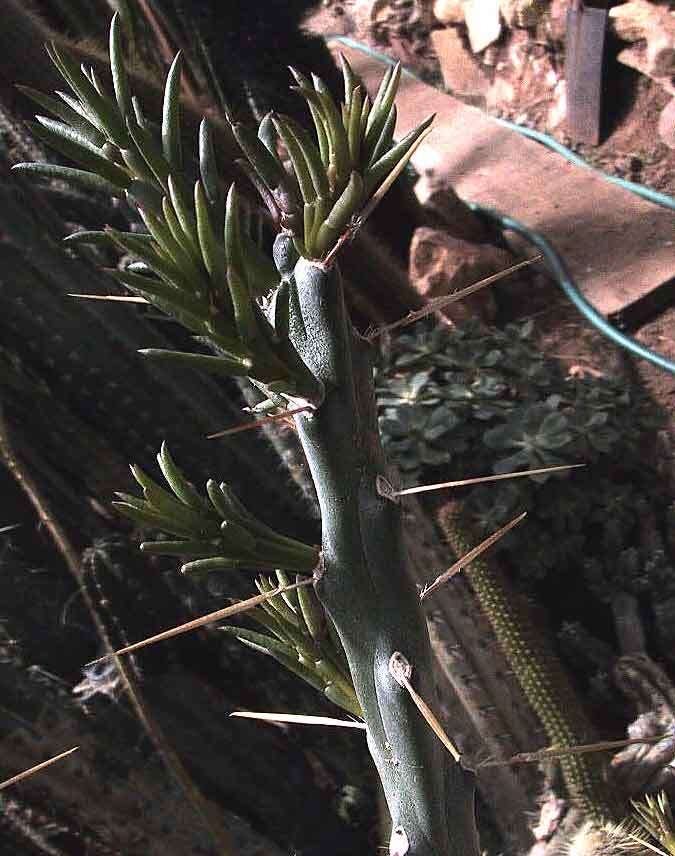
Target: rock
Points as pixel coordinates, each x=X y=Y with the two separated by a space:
x=501 y=94
x=440 y=265
x=371 y=17
x=650 y=64
x=652 y=30
x=447 y=211
x=556 y=20
x=482 y=22
x=557 y=110
x=633 y=20
x=449 y=11
x=521 y=13
x=401 y=27
x=667 y=124
x=462 y=75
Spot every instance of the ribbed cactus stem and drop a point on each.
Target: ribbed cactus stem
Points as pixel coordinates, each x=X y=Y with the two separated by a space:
x=539 y=672
x=364 y=585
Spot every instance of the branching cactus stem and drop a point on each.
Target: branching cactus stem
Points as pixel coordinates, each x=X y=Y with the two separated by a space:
x=363 y=583
x=283 y=324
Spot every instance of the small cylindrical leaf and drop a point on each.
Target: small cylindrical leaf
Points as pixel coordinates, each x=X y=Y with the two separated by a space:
x=65 y=173
x=264 y=163
x=106 y=114
x=346 y=700
x=312 y=156
x=185 y=215
x=261 y=273
x=381 y=110
x=384 y=141
x=173 y=299
x=278 y=603
x=163 y=502
x=312 y=612
x=138 y=516
x=67 y=114
x=177 y=481
x=119 y=75
x=213 y=250
x=208 y=167
x=221 y=366
x=267 y=135
x=138 y=166
x=143 y=194
x=170 y=247
x=205 y=566
x=337 y=134
x=340 y=214
x=162 y=265
x=179 y=548
x=85 y=236
x=237 y=537
x=297 y=158
x=354 y=128
x=308 y=226
x=171 y=141
x=78 y=148
x=379 y=171
x=149 y=150
x=349 y=78
x=379 y=95
x=365 y=113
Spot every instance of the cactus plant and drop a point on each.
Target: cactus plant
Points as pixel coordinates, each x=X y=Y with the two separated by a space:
x=281 y=322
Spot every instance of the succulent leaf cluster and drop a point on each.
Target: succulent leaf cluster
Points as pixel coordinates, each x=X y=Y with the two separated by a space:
x=333 y=174
x=301 y=637
x=487 y=401
x=655 y=818
x=214 y=533
x=194 y=260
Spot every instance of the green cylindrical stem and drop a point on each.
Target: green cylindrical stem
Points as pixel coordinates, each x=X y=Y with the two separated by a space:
x=540 y=673
x=364 y=585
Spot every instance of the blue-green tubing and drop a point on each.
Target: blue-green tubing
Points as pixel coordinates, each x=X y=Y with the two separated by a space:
x=553 y=259
x=559 y=270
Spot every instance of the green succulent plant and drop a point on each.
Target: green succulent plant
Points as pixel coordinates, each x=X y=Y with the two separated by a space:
x=282 y=322
x=194 y=261
x=216 y=532
x=302 y=639
x=488 y=396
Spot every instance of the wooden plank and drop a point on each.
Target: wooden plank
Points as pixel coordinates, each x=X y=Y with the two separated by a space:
x=618 y=246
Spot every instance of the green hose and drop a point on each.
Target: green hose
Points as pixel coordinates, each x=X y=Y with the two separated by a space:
x=564 y=279
x=553 y=259
x=638 y=189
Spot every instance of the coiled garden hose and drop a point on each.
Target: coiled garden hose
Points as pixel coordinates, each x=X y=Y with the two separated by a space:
x=554 y=261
